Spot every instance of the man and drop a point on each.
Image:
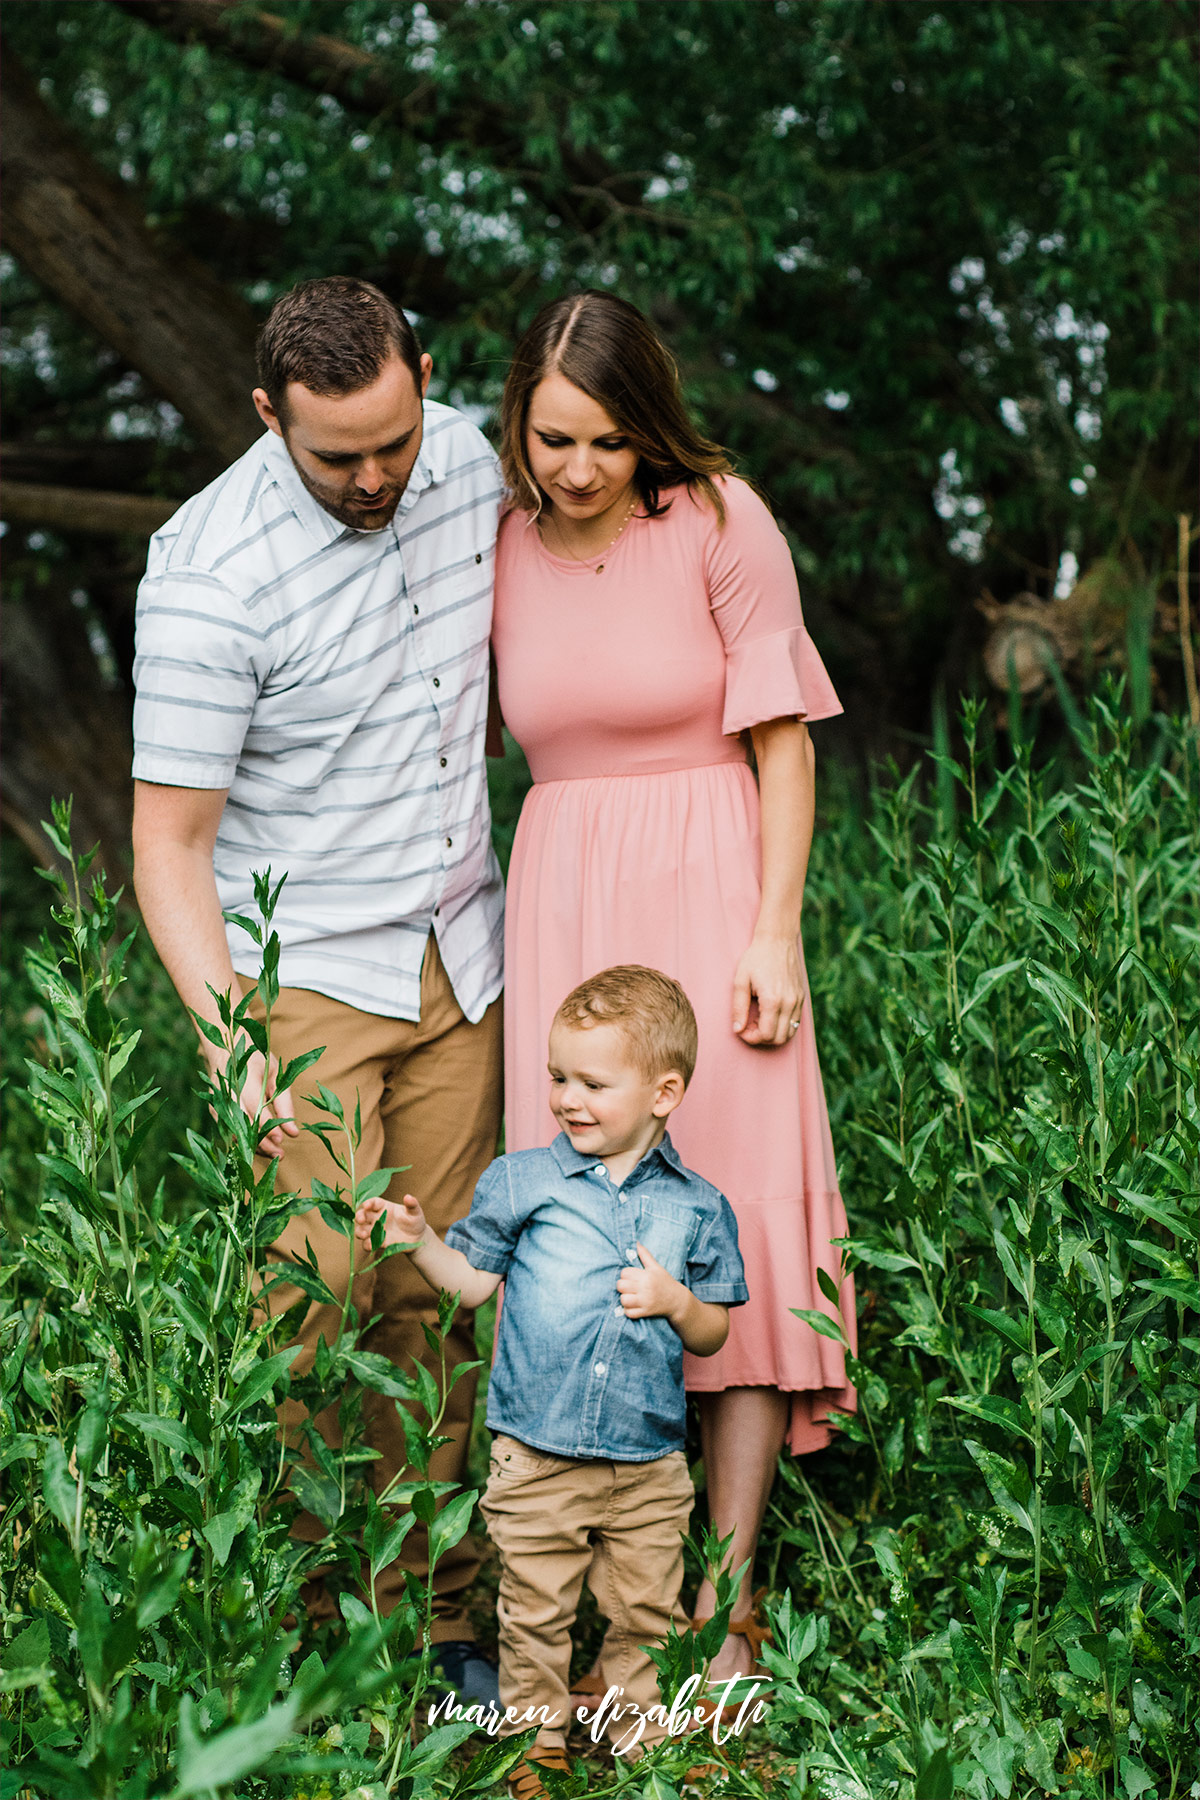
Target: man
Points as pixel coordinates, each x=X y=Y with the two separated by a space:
x=312 y=683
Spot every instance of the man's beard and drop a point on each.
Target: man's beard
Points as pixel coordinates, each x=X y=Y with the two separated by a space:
x=340 y=507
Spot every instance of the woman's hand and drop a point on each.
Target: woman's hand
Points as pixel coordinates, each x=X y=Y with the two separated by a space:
x=768 y=991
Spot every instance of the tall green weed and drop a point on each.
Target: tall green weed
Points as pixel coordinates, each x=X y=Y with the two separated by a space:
x=152 y=1590
x=1006 y=983
x=986 y=1586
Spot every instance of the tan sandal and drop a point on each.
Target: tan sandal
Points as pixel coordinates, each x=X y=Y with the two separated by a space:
x=525 y=1783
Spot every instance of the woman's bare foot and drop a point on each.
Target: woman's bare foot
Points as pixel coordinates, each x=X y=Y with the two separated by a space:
x=733 y=1658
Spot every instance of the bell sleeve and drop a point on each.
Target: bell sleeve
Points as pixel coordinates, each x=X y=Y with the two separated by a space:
x=772 y=667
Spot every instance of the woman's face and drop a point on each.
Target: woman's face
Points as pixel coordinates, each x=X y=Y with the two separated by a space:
x=579 y=458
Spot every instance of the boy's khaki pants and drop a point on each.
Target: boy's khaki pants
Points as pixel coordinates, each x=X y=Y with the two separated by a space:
x=430 y=1093
x=557 y=1520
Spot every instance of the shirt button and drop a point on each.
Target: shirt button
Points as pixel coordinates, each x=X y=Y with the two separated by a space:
x=619 y=1311
x=449 y=841
x=441 y=762
x=416 y=613
x=599 y=1169
x=600 y=1369
x=633 y=1258
x=478 y=557
x=436 y=682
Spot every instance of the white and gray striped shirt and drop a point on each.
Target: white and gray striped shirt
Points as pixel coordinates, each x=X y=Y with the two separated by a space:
x=335 y=681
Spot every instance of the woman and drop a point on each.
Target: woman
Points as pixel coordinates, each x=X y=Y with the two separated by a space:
x=646 y=620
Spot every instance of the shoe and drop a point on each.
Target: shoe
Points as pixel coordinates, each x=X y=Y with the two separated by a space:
x=465 y=1668
x=524 y=1782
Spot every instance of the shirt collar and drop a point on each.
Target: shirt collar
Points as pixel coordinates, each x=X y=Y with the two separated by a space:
x=429 y=468
x=573 y=1162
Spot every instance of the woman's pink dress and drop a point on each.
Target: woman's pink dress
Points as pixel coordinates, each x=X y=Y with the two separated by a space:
x=628 y=690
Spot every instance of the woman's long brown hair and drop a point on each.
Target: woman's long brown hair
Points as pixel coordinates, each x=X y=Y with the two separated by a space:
x=610 y=351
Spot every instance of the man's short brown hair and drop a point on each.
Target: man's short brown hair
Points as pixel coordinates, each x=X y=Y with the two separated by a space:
x=333 y=335
x=653 y=1013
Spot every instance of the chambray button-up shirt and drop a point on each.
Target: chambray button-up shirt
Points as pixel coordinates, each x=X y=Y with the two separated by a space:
x=572 y=1375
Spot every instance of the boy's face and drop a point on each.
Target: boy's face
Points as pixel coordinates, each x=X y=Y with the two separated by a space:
x=599 y=1097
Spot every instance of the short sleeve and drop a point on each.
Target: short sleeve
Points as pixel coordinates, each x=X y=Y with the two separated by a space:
x=198 y=668
x=714 y=1269
x=488 y=1234
x=772 y=668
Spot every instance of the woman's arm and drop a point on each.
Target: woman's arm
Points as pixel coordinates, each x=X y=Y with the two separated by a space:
x=769 y=971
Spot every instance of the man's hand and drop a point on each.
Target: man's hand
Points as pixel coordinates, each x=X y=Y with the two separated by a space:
x=403 y=1222
x=649 y=1292
x=259 y=1098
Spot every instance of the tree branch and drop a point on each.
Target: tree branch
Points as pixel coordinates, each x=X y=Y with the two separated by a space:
x=363 y=83
x=354 y=77
x=83 y=509
x=81 y=234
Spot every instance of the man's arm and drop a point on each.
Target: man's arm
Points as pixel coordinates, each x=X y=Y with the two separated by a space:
x=651 y=1293
x=174 y=830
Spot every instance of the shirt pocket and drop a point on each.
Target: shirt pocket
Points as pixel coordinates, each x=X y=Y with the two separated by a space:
x=668 y=1231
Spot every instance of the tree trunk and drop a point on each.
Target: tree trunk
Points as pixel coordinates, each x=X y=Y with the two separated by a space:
x=67 y=731
x=81 y=234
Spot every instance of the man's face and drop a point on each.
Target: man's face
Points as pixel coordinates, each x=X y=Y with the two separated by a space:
x=354 y=452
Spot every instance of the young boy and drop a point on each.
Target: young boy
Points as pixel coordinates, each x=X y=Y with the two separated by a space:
x=615 y=1258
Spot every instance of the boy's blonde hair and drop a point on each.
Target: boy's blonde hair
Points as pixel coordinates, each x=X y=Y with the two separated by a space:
x=653 y=1012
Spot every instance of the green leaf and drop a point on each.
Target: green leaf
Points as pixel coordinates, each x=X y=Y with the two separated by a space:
x=220 y=1531
x=1136 y=1778
x=374 y=1185
x=1007 y=1481
x=970 y=1659
x=219 y=1761
x=1082 y=1663
x=450 y=1525
x=387 y=1548
x=1013 y=1331
x=171 y=1432
x=261 y=1381
x=995 y=1410
x=30 y=1649
x=318 y=1494
x=1182 y=1458
x=657 y=1787
x=821 y=1323
x=58 y=1486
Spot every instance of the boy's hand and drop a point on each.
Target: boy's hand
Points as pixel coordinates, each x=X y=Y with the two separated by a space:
x=403 y=1223
x=649 y=1292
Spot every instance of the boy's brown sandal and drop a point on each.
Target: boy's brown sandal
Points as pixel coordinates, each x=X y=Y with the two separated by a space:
x=524 y=1782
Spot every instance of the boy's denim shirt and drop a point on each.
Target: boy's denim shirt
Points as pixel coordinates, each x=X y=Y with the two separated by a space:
x=572 y=1375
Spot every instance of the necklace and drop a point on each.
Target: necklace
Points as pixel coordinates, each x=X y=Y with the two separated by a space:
x=608 y=548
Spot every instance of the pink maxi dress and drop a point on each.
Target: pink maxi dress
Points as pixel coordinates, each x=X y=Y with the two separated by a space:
x=628 y=688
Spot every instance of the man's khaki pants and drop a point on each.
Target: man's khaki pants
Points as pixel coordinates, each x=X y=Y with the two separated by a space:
x=556 y=1520
x=430 y=1094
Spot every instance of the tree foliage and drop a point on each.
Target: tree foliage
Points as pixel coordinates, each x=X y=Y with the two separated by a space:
x=925 y=268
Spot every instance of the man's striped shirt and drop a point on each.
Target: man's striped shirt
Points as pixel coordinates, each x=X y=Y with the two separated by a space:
x=335 y=681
